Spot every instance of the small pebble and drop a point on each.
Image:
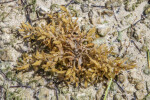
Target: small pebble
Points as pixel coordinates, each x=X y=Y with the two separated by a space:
x=42 y=10
x=136 y=36
x=140 y=86
x=146 y=71
x=85 y=8
x=121 y=78
x=117 y=97
x=102 y=31
x=99 y=32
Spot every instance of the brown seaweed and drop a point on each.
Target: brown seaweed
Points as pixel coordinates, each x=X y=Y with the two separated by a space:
x=68 y=53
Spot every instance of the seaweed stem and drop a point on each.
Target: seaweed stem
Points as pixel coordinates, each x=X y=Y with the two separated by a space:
x=148 y=58
x=108 y=88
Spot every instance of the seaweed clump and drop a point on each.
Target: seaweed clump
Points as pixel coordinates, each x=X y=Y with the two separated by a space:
x=61 y=49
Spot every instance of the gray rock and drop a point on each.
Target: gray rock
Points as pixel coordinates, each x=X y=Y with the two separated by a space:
x=85 y=8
